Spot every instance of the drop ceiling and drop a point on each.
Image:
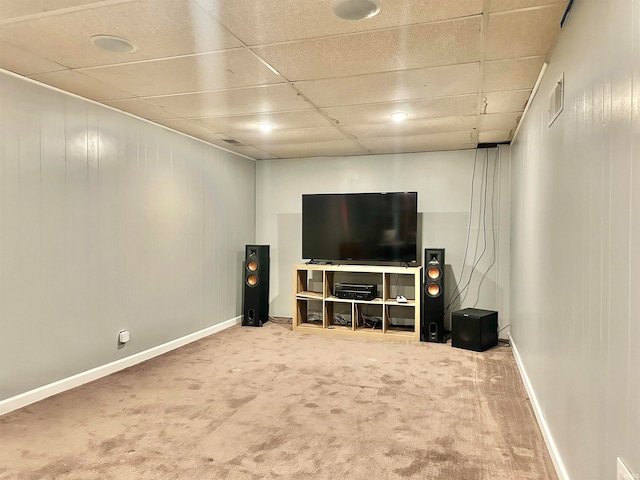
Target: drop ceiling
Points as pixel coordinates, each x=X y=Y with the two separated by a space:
x=461 y=69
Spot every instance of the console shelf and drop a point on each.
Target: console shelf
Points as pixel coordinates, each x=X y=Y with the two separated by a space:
x=316 y=308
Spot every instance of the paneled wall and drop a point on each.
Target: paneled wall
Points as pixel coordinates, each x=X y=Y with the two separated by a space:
x=463 y=206
x=575 y=278
x=107 y=223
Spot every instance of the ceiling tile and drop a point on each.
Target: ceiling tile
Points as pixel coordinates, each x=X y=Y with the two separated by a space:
x=74 y=82
x=140 y=108
x=503 y=5
x=269 y=21
x=420 y=143
x=228 y=143
x=316 y=149
x=414 y=127
x=499 y=121
x=391 y=86
x=22 y=62
x=158 y=28
x=193 y=73
x=10 y=9
x=270 y=98
x=424 y=45
x=495 y=136
x=523 y=33
x=251 y=152
x=429 y=108
x=248 y=123
x=220 y=139
x=298 y=135
x=500 y=102
x=185 y=126
x=514 y=74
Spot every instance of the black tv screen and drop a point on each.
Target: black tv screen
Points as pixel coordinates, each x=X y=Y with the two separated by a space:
x=360 y=226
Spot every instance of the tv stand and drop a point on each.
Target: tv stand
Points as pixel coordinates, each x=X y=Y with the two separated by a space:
x=317 y=309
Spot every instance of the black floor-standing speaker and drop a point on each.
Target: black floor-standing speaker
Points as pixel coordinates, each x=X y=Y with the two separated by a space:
x=432 y=321
x=256 y=286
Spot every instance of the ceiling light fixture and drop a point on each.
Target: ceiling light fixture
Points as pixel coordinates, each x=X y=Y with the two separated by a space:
x=265 y=127
x=398 y=116
x=112 y=43
x=355 y=9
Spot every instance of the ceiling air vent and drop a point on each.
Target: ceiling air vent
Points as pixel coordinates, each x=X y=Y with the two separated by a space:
x=231 y=141
x=556 y=100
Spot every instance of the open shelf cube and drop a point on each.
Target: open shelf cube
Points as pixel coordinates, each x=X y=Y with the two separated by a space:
x=399 y=320
x=339 y=315
x=383 y=316
x=309 y=313
x=369 y=316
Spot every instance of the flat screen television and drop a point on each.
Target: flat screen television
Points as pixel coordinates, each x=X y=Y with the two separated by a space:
x=360 y=226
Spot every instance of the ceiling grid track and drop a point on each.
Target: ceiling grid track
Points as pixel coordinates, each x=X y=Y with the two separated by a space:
x=482 y=107
x=334 y=123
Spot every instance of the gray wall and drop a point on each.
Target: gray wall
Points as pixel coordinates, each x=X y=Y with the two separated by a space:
x=575 y=277
x=443 y=181
x=109 y=222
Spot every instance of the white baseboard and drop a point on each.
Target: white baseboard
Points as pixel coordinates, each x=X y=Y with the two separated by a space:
x=546 y=433
x=45 y=391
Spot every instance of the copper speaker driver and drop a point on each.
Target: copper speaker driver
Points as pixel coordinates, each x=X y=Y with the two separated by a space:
x=433 y=273
x=433 y=290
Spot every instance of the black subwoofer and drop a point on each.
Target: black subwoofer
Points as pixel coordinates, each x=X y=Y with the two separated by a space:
x=474 y=329
x=432 y=324
x=256 y=286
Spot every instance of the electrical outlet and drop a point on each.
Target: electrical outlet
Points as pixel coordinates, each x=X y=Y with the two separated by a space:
x=624 y=473
x=123 y=336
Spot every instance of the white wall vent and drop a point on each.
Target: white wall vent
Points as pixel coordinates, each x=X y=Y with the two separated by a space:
x=556 y=100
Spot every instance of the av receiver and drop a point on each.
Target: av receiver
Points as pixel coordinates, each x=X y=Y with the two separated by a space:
x=353 y=291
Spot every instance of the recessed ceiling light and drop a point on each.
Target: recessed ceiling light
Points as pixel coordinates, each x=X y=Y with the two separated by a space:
x=112 y=44
x=355 y=9
x=265 y=127
x=398 y=116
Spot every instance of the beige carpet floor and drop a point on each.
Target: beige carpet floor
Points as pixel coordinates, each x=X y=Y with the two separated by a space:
x=268 y=403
